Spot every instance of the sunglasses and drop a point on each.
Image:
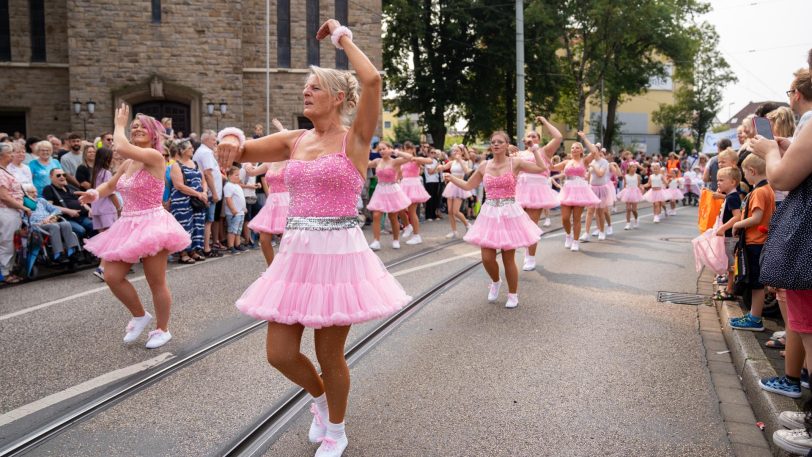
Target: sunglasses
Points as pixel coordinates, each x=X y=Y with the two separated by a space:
x=60 y=175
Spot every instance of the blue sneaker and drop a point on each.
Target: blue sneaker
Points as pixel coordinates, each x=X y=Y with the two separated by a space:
x=804 y=378
x=781 y=385
x=747 y=322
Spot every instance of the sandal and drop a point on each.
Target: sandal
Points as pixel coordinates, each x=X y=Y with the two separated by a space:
x=724 y=296
x=186 y=259
x=197 y=257
x=778 y=343
x=12 y=279
x=212 y=253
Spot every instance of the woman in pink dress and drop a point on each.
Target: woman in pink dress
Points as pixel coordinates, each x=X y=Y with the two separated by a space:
x=502 y=224
x=274 y=214
x=388 y=196
x=145 y=231
x=324 y=275
x=458 y=166
x=414 y=189
x=533 y=190
x=576 y=193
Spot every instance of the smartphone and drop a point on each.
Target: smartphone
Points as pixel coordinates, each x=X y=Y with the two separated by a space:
x=763 y=127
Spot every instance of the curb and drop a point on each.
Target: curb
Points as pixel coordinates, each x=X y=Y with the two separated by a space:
x=752 y=365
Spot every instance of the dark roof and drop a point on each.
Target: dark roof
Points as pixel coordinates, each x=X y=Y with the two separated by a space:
x=751 y=108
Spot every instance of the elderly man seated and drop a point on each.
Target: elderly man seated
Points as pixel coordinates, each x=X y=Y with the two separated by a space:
x=63 y=196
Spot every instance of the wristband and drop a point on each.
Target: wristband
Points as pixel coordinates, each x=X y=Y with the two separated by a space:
x=338 y=33
x=94 y=194
x=232 y=131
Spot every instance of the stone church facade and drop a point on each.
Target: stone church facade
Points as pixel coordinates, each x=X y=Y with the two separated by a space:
x=167 y=58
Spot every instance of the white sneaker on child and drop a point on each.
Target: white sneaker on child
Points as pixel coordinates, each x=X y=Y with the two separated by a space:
x=584 y=238
x=601 y=236
x=415 y=240
x=407 y=231
x=609 y=231
x=136 y=326
x=375 y=245
x=547 y=222
x=493 y=291
x=628 y=226
x=395 y=244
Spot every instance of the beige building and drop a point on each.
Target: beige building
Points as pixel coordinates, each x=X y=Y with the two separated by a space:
x=167 y=58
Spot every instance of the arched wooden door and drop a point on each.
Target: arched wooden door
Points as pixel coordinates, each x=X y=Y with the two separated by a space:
x=178 y=112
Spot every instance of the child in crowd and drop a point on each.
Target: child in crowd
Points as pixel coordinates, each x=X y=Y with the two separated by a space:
x=235 y=209
x=692 y=185
x=632 y=194
x=657 y=194
x=674 y=194
x=727 y=182
x=759 y=207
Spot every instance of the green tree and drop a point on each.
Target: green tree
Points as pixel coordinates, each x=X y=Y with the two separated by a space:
x=405 y=130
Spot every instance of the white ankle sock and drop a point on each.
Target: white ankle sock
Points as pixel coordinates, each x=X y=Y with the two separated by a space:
x=321 y=404
x=335 y=431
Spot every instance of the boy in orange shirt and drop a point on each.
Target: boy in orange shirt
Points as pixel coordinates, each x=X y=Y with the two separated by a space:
x=760 y=205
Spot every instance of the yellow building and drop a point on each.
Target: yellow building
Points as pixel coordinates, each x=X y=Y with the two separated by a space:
x=391 y=119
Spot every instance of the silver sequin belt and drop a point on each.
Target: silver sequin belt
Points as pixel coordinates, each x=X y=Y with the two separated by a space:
x=500 y=201
x=321 y=223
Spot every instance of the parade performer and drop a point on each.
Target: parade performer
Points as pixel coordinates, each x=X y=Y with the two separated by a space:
x=501 y=224
x=272 y=217
x=600 y=184
x=674 y=192
x=534 y=192
x=388 y=196
x=575 y=193
x=656 y=194
x=145 y=231
x=324 y=275
x=458 y=167
x=413 y=188
x=632 y=194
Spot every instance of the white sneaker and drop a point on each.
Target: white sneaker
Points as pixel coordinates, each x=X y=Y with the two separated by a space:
x=636 y=224
x=451 y=235
x=529 y=263
x=595 y=232
x=628 y=226
x=395 y=244
x=656 y=219
x=584 y=238
x=136 y=326
x=407 y=231
x=792 y=420
x=318 y=429
x=415 y=240
x=609 y=231
x=601 y=236
x=779 y=334
x=375 y=245
x=512 y=301
x=158 y=338
x=332 y=448
x=547 y=222
x=575 y=247
x=793 y=441
x=567 y=241
x=493 y=291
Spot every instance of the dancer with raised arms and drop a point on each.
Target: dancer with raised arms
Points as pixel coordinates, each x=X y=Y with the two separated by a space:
x=576 y=193
x=413 y=188
x=324 y=275
x=388 y=196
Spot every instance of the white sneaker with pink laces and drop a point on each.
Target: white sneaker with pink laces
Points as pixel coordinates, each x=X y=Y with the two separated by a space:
x=335 y=441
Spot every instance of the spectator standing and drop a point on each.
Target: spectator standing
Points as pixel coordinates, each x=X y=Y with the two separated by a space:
x=72 y=159
x=104 y=210
x=249 y=186
x=259 y=131
x=207 y=163
x=713 y=164
x=20 y=170
x=107 y=140
x=432 y=176
x=11 y=206
x=188 y=184
x=83 y=171
x=235 y=209
x=41 y=168
x=63 y=195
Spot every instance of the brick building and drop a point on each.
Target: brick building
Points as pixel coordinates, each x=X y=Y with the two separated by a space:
x=166 y=58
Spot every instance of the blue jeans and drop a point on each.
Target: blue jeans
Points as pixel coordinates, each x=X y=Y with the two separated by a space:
x=81 y=226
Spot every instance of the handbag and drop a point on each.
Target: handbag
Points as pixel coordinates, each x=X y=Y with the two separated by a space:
x=709 y=250
x=29 y=202
x=785 y=257
x=196 y=204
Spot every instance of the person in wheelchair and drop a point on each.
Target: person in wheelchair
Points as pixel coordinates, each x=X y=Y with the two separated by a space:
x=46 y=218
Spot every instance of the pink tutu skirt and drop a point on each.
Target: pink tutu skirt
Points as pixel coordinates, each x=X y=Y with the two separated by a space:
x=388 y=198
x=413 y=188
x=323 y=279
x=273 y=215
x=504 y=226
x=631 y=195
x=605 y=193
x=453 y=191
x=534 y=191
x=656 y=195
x=139 y=234
x=675 y=194
x=577 y=192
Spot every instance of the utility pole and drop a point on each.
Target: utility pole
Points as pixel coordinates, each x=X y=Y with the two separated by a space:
x=600 y=126
x=519 y=70
x=267 y=67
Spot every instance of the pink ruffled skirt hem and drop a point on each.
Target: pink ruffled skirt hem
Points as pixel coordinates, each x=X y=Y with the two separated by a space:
x=576 y=192
x=273 y=216
x=413 y=188
x=323 y=279
x=503 y=227
x=388 y=198
x=535 y=191
x=453 y=191
x=139 y=234
x=656 y=195
x=631 y=195
x=675 y=194
x=605 y=193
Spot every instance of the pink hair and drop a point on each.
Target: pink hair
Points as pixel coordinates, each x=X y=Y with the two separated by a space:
x=154 y=129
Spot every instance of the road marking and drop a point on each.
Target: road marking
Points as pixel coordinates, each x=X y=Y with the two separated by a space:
x=82 y=388
x=434 y=264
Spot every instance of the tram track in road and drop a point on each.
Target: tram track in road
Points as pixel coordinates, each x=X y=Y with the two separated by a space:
x=143 y=380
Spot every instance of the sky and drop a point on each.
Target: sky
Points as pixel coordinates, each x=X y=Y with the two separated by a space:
x=764 y=41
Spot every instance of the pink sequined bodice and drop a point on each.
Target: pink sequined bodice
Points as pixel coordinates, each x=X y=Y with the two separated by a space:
x=410 y=170
x=528 y=156
x=575 y=171
x=386 y=175
x=276 y=180
x=325 y=187
x=140 y=191
x=503 y=186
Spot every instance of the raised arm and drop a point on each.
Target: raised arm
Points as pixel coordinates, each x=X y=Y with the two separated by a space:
x=538 y=167
x=403 y=157
x=106 y=188
x=151 y=158
x=373 y=163
x=257 y=171
x=421 y=160
x=471 y=183
x=554 y=143
x=787 y=172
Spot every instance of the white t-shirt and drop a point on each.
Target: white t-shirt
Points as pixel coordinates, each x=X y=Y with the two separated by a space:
x=428 y=177
x=234 y=191
x=245 y=179
x=597 y=165
x=204 y=157
x=22 y=173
